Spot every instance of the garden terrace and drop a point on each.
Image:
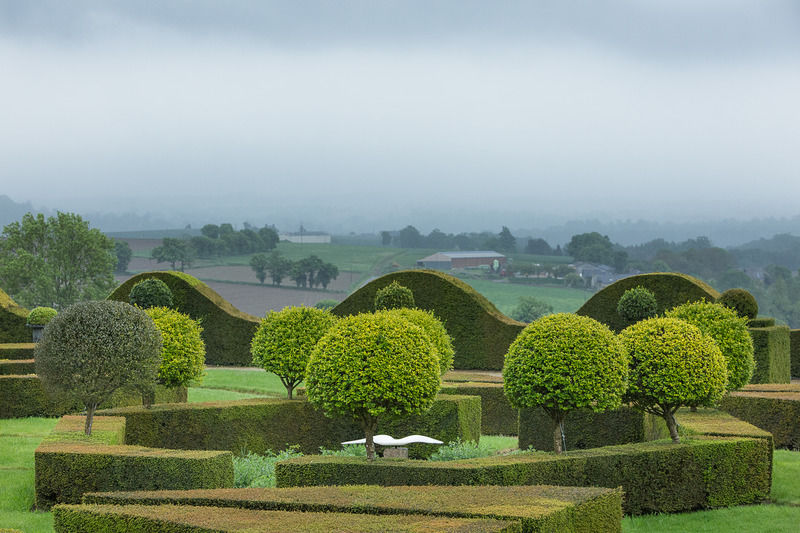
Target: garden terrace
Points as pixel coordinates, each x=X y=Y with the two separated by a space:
x=535 y=508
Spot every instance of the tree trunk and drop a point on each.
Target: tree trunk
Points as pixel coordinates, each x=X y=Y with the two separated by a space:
x=90 y=409
x=672 y=425
x=369 y=424
x=558 y=419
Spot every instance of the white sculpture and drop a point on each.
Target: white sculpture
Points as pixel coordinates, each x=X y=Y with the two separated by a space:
x=388 y=440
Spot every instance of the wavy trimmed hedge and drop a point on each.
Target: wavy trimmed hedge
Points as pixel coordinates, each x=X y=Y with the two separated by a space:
x=481 y=334
x=182 y=519
x=13 y=318
x=794 y=352
x=262 y=424
x=670 y=289
x=497 y=415
x=584 y=429
x=701 y=472
x=537 y=508
x=771 y=351
x=68 y=463
x=227 y=331
x=776 y=412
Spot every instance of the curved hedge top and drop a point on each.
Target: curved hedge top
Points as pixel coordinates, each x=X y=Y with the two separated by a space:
x=227 y=331
x=671 y=289
x=481 y=334
x=12 y=320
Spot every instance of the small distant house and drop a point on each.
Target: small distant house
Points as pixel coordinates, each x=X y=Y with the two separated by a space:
x=450 y=260
x=598 y=275
x=306 y=237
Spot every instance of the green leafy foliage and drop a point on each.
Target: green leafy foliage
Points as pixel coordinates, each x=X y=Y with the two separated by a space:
x=741 y=301
x=91 y=349
x=529 y=309
x=637 y=304
x=326 y=304
x=254 y=470
x=564 y=362
x=393 y=296
x=174 y=251
x=730 y=333
x=436 y=332
x=373 y=365
x=672 y=364
x=124 y=254
x=151 y=292
x=284 y=340
x=40 y=316
x=183 y=352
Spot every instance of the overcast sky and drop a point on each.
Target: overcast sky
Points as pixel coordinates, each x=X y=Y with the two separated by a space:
x=376 y=114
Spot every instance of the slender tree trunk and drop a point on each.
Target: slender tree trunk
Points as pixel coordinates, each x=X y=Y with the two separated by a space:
x=669 y=416
x=558 y=419
x=369 y=424
x=90 y=409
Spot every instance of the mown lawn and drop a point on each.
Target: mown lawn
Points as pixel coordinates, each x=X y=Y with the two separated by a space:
x=505 y=296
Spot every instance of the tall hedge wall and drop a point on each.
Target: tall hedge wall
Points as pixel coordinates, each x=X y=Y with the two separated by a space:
x=227 y=331
x=794 y=352
x=481 y=334
x=771 y=352
x=12 y=320
x=258 y=425
x=671 y=289
x=537 y=508
x=497 y=415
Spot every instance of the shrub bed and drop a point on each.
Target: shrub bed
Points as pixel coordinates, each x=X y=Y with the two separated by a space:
x=497 y=415
x=794 y=352
x=17 y=350
x=658 y=476
x=182 y=519
x=17 y=367
x=775 y=412
x=537 y=507
x=258 y=425
x=771 y=353
x=227 y=331
x=69 y=463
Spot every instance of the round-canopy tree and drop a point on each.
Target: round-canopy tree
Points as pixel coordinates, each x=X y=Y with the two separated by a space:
x=183 y=352
x=440 y=340
x=672 y=364
x=730 y=333
x=563 y=362
x=637 y=304
x=393 y=296
x=284 y=340
x=370 y=366
x=91 y=349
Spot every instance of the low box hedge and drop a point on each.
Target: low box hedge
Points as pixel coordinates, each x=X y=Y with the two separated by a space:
x=68 y=463
x=794 y=352
x=259 y=425
x=536 y=507
x=497 y=415
x=17 y=367
x=585 y=429
x=463 y=376
x=17 y=350
x=183 y=519
x=23 y=395
x=775 y=412
x=659 y=476
x=771 y=353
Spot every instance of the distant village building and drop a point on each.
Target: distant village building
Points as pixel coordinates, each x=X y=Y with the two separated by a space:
x=450 y=260
x=598 y=276
x=306 y=237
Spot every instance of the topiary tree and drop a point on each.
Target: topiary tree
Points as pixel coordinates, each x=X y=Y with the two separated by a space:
x=440 y=340
x=371 y=366
x=183 y=352
x=393 y=296
x=284 y=340
x=151 y=292
x=672 y=364
x=740 y=301
x=41 y=316
x=637 y=304
x=91 y=349
x=563 y=362
x=730 y=333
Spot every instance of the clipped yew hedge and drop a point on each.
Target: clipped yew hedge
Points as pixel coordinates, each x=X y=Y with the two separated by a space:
x=670 y=289
x=68 y=464
x=17 y=350
x=227 y=331
x=481 y=334
x=536 y=508
x=17 y=367
x=13 y=318
x=776 y=412
x=771 y=351
x=261 y=424
x=497 y=415
x=794 y=352
x=184 y=519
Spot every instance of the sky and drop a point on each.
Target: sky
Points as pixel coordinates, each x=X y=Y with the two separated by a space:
x=361 y=115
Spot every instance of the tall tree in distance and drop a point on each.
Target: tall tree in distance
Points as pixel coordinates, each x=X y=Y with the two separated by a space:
x=55 y=261
x=506 y=242
x=260 y=263
x=124 y=253
x=174 y=251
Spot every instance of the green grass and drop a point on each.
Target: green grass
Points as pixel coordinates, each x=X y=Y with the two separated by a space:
x=244 y=380
x=218 y=395
x=786 y=478
x=505 y=296
x=754 y=518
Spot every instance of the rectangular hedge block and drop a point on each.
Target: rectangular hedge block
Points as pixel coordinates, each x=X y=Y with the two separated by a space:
x=259 y=425
x=585 y=429
x=17 y=350
x=794 y=352
x=771 y=353
x=497 y=415
x=658 y=476
x=182 y=519
x=536 y=507
x=17 y=367
x=775 y=412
